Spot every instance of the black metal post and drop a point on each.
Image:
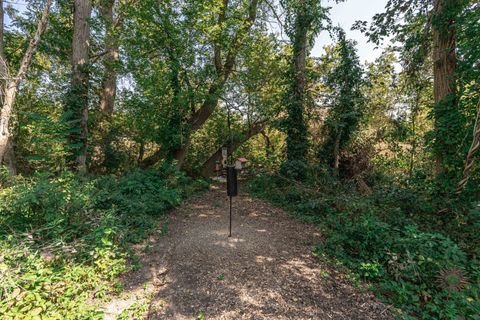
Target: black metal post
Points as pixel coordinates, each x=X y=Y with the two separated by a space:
x=230 y=234
x=232 y=188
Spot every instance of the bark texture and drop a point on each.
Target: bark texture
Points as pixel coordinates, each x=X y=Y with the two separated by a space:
x=11 y=88
x=108 y=90
x=3 y=67
x=110 y=61
x=79 y=87
x=9 y=153
x=10 y=158
x=444 y=68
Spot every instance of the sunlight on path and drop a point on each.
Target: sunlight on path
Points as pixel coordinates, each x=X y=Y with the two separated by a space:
x=265 y=271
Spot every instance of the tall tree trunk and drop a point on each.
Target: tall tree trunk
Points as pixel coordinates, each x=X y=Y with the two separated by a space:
x=444 y=62
x=10 y=158
x=296 y=128
x=11 y=87
x=110 y=61
x=78 y=100
x=3 y=61
x=208 y=167
x=9 y=154
x=109 y=83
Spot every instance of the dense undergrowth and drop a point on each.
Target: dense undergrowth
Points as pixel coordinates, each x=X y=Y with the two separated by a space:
x=65 y=239
x=425 y=267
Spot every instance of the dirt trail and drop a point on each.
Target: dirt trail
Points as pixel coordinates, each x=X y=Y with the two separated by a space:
x=265 y=271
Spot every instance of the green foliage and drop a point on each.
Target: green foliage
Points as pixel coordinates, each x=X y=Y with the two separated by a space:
x=253 y=93
x=135 y=311
x=304 y=20
x=64 y=239
x=386 y=240
x=413 y=24
x=345 y=98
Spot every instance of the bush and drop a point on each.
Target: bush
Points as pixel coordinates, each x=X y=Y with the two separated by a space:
x=63 y=239
x=415 y=267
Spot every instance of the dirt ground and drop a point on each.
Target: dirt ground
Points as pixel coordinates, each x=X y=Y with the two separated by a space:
x=266 y=270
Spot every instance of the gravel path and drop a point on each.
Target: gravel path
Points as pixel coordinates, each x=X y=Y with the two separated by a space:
x=265 y=271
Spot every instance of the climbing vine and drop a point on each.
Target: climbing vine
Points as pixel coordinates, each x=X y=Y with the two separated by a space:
x=345 y=81
x=303 y=23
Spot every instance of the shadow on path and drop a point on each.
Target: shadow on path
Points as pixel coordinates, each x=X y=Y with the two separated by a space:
x=265 y=271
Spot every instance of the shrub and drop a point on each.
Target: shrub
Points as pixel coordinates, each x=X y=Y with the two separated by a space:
x=64 y=238
x=382 y=239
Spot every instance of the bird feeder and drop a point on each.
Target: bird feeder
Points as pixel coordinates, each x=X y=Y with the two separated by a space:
x=232 y=182
x=240 y=163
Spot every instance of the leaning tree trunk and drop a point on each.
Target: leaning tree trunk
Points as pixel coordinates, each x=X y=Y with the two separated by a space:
x=208 y=167
x=12 y=85
x=78 y=100
x=444 y=61
x=224 y=70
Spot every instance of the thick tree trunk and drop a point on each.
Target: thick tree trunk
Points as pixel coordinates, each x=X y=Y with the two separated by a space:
x=109 y=85
x=6 y=114
x=3 y=73
x=108 y=91
x=297 y=142
x=444 y=62
x=11 y=88
x=198 y=119
x=208 y=167
x=80 y=77
x=181 y=154
x=10 y=158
